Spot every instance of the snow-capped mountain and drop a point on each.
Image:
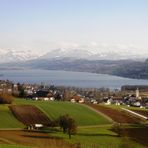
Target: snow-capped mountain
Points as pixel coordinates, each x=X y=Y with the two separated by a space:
x=70 y=53
x=92 y=54
x=8 y=55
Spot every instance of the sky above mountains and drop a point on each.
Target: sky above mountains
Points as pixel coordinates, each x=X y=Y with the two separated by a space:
x=42 y=25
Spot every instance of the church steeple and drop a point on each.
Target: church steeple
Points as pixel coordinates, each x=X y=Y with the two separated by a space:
x=137 y=93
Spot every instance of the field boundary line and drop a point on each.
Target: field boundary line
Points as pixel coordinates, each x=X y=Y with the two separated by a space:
x=134 y=113
x=99 y=113
x=11 y=129
x=6 y=141
x=100 y=125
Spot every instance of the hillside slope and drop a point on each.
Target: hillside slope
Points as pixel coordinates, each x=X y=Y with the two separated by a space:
x=82 y=115
x=7 y=120
x=123 y=68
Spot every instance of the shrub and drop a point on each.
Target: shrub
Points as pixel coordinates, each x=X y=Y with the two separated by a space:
x=117 y=128
x=6 y=99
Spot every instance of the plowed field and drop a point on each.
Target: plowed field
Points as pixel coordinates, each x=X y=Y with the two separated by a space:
x=142 y=112
x=29 y=114
x=138 y=134
x=35 y=139
x=116 y=115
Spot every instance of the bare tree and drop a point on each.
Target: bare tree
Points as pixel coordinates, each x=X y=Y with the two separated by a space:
x=68 y=125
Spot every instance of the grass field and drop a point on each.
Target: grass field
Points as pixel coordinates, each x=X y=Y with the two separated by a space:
x=82 y=115
x=93 y=130
x=7 y=120
x=99 y=137
x=86 y=137
x=13 y=146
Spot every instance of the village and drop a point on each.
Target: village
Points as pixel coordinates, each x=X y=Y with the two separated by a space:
x=44 y=111
x=136 y=96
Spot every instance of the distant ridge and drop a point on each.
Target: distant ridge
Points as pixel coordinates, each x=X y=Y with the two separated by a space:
x=11 y=55
x=124 y=68
x=78 y=60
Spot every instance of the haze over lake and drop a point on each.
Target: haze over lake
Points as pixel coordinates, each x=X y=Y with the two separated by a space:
x=66 y=78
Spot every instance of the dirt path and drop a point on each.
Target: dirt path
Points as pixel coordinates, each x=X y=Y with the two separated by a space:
x=134 y=113
x=142 y=112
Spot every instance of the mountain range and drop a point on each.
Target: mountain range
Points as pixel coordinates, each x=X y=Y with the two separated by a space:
x=91 y=54
x=114 y=63
x=7 y=56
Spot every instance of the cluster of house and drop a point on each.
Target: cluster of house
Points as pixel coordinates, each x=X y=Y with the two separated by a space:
x=131 y=99
x=133 y=94
x=40 y=92
x=6 y=86
x=50 y=95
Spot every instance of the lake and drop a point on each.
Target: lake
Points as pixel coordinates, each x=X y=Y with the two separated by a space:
x=66 y=78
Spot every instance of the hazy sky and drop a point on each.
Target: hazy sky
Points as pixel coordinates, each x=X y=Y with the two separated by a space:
x=90 y=24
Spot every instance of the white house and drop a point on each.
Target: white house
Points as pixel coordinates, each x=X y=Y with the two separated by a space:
x=81 y=100
x=46 y=99
x=109 y=101
x=73 y=100
x=52 y=98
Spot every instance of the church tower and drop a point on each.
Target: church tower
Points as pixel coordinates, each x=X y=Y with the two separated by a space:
x=137 y=93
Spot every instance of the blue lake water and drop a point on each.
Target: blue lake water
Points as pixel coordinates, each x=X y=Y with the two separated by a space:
x=78 y=79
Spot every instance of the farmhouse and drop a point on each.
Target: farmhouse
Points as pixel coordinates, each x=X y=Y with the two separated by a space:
x=77 y=98
x=43 y=95
x=114 y=100
x=34 y=126
x=6 y=86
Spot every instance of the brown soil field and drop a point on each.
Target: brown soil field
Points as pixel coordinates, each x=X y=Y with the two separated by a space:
x=37 y=139
x=138 y=134
x=116 y=115
x=29 y=114
x=142 y=112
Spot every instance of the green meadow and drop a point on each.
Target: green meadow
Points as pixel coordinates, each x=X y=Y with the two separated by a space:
x=82 y=115
x=98 y=137
x=13 y=146
x=94 y=130
x=7 y=120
